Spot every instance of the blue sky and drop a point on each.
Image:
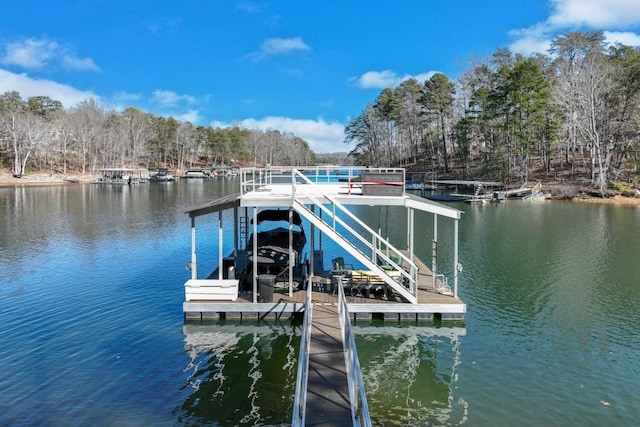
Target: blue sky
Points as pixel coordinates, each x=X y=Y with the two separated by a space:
x=305 y=67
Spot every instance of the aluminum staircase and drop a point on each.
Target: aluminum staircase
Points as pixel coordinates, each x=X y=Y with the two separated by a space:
x=378 y=247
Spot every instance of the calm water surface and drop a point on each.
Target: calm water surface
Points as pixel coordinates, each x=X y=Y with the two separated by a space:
x=92 y=330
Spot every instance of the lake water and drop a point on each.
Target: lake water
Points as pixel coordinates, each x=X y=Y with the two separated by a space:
x=92 y=329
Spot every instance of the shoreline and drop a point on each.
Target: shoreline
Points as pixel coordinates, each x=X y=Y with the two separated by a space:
x=7 y=180
x=41 y=179
x=615 y=200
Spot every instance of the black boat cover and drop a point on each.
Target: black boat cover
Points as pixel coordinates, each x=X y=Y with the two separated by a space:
x=279 y=215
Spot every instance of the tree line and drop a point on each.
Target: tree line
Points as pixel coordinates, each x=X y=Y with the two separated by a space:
x=39 y=134
x=573 y=113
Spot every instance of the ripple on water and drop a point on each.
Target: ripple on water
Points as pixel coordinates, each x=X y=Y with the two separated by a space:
x=92 y=309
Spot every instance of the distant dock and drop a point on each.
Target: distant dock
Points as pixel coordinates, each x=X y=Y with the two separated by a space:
x=483 y=191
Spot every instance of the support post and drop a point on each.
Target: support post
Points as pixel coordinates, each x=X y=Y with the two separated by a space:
x=236 y=228
x=220 y=255
x=291 y=257
x=194 y=266
x=411 y=234
x=434 y=251
x=320 y=242
x=455 y=258
x=255 y=255
x=410 y=226
x=313 y=244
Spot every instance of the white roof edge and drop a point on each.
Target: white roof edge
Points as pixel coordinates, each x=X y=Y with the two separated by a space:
x=425 y=205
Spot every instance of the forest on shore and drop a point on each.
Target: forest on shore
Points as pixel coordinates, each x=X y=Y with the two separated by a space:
x=38 y=134
x=570 y=119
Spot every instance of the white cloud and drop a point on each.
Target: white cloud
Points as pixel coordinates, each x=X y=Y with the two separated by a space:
x=169 y=98
x=29 y=86
x=29 y=53
x=190 y=116
x=278 y=46
x=626 y=38
x=528 y=46
x=249 y=7
x=127 y=96
x=72 y=62
x=595 y=13
x=322 y=136
x=34 y=54
x=569 y=15
x=387 y=78
x=535 y=39
x=178 y=106
x=121 y=100
x=168 y=25
x=377 y=79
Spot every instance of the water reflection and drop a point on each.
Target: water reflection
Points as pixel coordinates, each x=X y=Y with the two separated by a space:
x=239 y=373
x=91 y=285
x=410 y=374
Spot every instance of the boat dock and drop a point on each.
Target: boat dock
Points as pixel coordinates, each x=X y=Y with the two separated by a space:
x=483 y=191
x=404 y=286
x=121 y=176
x=268 y=275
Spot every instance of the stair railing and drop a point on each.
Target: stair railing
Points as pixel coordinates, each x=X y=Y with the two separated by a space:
x=378 y=245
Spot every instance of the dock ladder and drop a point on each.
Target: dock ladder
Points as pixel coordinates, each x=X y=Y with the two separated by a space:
x=244 y=229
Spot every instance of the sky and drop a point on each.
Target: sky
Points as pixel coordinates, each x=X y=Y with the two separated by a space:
x=303 y=67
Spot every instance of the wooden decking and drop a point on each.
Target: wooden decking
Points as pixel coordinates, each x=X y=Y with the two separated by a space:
x=430 y=304
x=362 y=305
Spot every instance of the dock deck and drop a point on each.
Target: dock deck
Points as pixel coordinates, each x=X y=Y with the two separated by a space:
x=430 y=305
x=392 y=308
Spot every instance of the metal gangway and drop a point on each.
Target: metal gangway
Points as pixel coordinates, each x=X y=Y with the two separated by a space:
x=325 y=408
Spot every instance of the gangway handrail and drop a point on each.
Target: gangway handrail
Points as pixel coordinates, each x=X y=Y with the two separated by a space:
x=357 y=396
x=410 y=275
x=302 y=378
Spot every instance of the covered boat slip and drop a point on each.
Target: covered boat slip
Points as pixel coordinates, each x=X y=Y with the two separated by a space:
x=121 y=176
x=387 y=280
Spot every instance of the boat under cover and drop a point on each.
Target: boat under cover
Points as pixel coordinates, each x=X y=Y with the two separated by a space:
x=273 y=243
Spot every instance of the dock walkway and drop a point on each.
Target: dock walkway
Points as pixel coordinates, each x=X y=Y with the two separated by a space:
x=327 y=389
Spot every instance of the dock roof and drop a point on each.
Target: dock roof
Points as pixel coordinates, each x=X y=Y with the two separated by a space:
x=216 y=205
x=281 y=193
